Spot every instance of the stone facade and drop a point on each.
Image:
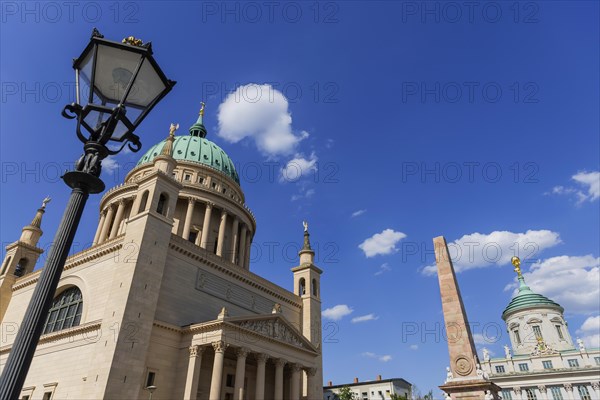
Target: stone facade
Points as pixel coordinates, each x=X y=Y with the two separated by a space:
x=168 y=301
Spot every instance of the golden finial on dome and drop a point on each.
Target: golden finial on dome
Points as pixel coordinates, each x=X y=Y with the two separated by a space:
x=202 y=105
x=172 y=129
x=516 y=262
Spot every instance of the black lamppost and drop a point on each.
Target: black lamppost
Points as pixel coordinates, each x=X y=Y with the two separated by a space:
x=118 y=84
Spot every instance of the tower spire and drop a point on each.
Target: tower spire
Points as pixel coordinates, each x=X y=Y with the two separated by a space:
x=516 y=262
x=167 y=149
x=32 y=232
x=198 y=128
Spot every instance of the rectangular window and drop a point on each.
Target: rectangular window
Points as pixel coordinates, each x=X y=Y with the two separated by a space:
x=537 y=331
x=187 y=177
x=556 y=393
x=193 y=236
x=200 y=180
x=506 y=395
x=560 y=333
x=530 y=394
x=523 y=367
x=500 y=369
x=547 y=364
x=573 y=363
x=150 y=378
x=517 y=336
x=230 y=382
x=584 y=393
x=25 y=398
x=47 y=396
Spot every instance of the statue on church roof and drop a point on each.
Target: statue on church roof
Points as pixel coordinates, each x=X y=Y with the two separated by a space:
x=305 y=224
x=516 y=262
x=507 y=352
x=46 y=201
x=581 y=344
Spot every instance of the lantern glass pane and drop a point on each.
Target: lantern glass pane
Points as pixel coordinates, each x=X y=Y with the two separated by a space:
x=147 y=87
x=114 y=70
x=85 y=76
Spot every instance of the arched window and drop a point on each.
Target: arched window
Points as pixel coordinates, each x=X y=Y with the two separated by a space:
x=161 y=208
x=302 y=287
x=6 y=264
x=143 y=202
x=20 y=269
x=315 y=289
x=65 y=311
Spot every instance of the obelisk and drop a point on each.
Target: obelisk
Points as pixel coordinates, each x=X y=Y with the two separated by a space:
x=465 y=380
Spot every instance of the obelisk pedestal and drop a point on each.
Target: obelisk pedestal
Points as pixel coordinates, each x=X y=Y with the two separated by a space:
x=465 y=380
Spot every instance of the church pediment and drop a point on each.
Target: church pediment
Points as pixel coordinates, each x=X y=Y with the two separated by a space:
x=274 y=327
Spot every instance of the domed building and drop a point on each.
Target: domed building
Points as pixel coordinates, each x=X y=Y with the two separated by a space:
x=163 y=303
x=542 y=362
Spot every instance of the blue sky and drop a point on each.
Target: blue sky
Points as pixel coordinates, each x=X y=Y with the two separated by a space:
x=407 y=120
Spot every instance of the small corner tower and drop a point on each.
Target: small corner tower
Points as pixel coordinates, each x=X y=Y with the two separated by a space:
x=307 y=285
x=21 y=257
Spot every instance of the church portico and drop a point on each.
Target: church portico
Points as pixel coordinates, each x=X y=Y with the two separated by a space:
x=248 y=358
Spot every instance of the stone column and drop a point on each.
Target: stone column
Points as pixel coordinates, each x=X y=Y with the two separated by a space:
x=193 y=372
x=234 y=239
x=118 y=219
x=248 y=244
x=221 y=239
x=279 y=364
x=569 y=389
x=543 y=390
x=206 y=226
x=107 y=221
x=596 y=387
x=310 y=384
x=242 y=252
x=100 y=227
x=188 y=219
x=517 y=391
x=295 y=384
x=261 y=361
x=240 y=373
x=217 y=372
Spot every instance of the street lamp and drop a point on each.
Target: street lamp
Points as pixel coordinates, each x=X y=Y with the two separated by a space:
x=118 y=84
x=151 y=389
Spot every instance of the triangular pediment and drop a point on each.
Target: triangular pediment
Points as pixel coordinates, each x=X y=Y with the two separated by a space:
x=275 y=327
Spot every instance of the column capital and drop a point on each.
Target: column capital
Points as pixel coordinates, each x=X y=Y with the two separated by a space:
x=220 y=346
x=596 y=385
x=210 y=204
x=279 y=362
x=223 y=213
x=261 y=357
x=542 y=388
x=296 y=367
x=568 y=387
x=191 y=200
x=196 y=350
x=517 y=390
x=310 y=371
x=122 y=201
x=242 y=352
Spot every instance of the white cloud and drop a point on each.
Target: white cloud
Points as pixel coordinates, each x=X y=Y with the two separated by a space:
x=591 y=182
x=299 y=167
x=571 y=281
x=590 y=331
x=414 y=347
x=357 y=213
x=338 y=312
x=110 y=165
x=364 y=318
x=261 y=113
x=382 y=358
x=381 y=243
x=588 y=181
x=478 y=250
x=383 y=268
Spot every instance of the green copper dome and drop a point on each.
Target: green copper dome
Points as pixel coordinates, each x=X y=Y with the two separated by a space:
x=196 y=148
x=526 y=298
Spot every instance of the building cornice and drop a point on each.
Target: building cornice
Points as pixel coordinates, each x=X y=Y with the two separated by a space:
x=222 y=265
x=82 y=257
x=54 y=336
